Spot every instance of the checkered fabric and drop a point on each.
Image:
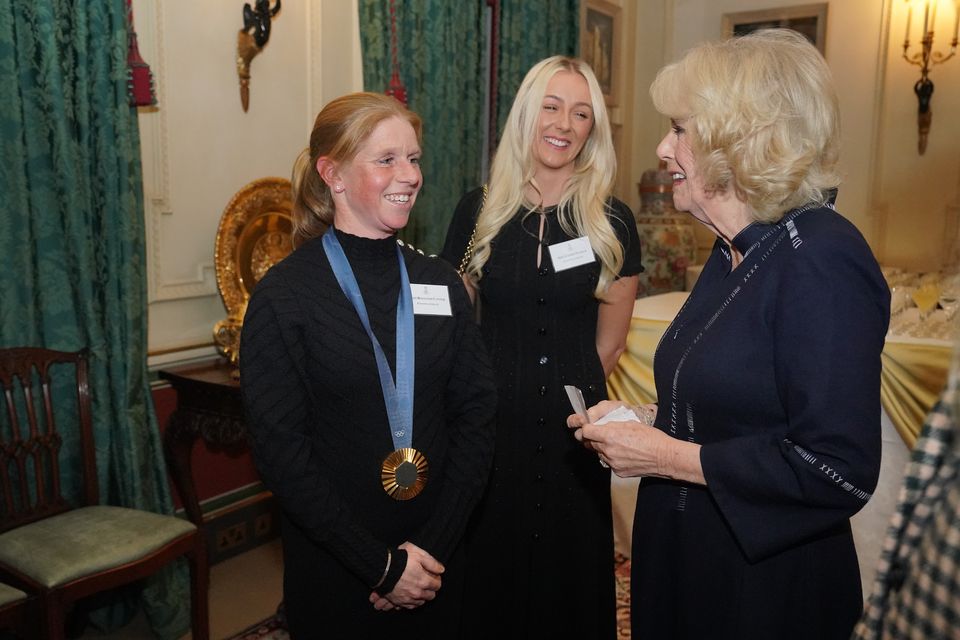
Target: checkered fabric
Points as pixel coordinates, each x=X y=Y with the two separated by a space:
x=916 y=592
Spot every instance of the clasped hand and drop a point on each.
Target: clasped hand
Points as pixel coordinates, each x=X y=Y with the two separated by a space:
x=418 y=584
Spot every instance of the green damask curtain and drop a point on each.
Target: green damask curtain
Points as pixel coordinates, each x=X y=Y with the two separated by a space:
x=531 y=30
x=442 y=45
x=72 y=238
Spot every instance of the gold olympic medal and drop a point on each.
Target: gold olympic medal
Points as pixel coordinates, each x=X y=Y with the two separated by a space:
x=404 y=473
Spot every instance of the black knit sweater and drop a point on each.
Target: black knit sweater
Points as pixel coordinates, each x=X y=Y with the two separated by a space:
x=317 y=416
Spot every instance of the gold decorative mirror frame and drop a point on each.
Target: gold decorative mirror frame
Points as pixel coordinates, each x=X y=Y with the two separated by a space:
x=255 y=233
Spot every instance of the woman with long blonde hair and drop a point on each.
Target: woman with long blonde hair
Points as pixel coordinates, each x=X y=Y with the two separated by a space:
x=552 y=260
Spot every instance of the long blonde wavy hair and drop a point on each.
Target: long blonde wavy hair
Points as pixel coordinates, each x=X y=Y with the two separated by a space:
x=582 y=206
x=339 y=131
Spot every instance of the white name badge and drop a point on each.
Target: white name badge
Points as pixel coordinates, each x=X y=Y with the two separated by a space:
x=431 y=299
x=572 y=253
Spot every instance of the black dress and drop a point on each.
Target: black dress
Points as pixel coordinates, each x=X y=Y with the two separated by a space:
x=320 y=433
x=774 y=368
x=541 y=543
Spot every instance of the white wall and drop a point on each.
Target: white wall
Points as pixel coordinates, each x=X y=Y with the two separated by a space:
x=918 y=196
x=199 y=147
x=903 y=203
x=653 y=37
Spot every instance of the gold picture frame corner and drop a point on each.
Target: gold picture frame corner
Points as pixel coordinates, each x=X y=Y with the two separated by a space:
x=808 y=19
x=600 y=45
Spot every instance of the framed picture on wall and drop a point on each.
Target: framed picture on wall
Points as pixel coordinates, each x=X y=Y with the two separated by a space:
x=808 y=19
x=600 y=44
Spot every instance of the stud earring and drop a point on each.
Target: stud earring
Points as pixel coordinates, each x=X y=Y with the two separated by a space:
x=338 y=188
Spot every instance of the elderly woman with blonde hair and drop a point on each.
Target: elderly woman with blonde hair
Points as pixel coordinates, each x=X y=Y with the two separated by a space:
x=552 y=259
x=766 y=438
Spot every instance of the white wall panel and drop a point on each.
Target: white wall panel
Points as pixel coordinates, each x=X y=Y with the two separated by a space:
x=199 y=147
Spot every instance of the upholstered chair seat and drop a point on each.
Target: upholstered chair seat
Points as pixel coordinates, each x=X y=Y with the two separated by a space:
x=9 y=595
x=85 y=541
x=18 y=613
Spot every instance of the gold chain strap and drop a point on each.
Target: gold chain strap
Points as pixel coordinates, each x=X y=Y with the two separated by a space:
x=468 y=252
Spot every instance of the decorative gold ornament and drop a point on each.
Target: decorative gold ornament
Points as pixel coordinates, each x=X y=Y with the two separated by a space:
x=255 y=233
x=404 y=473
x=251 y=40
x=246 y=50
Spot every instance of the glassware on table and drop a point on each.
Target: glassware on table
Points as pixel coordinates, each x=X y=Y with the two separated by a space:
x=905 y=322
x=900 y=298
x=926 y=297
x=949 y=301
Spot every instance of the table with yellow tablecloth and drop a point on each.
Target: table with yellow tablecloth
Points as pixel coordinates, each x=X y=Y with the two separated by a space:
x=632 y=380
x=914 y=373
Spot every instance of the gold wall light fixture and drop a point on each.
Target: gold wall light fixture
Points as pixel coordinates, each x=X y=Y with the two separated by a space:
x=926 y=58
x=251 y=40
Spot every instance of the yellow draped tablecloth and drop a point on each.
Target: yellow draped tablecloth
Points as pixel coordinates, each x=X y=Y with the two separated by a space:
x=632 y=379
x=914 y=374
x=914 y=369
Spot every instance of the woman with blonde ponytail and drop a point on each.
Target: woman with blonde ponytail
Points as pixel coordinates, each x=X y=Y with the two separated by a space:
x=369 y=394
x=552 y=259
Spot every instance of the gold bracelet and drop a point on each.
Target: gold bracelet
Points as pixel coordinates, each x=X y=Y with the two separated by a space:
x=385 y=571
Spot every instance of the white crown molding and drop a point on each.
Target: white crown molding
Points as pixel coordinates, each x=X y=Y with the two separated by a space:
x=156 y=166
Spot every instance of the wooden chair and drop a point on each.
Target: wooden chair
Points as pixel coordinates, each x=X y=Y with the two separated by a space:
x=57 y=550
x=18 y=612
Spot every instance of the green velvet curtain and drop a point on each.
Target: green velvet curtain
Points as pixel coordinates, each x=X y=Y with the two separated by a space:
x=441 y=49
x=72 y=240
x=531 y=30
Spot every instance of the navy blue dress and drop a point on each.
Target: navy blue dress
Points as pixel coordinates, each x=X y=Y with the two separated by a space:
x=540 y=546
x=774 y=368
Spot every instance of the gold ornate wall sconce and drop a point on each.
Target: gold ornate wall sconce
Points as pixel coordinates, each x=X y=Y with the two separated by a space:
x=926 y=58
x=251 y=40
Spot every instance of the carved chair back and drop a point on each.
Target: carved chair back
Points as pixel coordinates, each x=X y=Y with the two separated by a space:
x=31 y=474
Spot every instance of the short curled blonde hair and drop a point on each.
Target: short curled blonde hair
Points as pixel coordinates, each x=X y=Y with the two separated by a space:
x=762 y=115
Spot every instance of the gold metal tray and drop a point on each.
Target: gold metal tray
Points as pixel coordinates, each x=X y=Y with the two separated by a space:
x=254 y=234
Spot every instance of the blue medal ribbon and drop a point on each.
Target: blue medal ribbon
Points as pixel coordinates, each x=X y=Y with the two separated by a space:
x=397 y=396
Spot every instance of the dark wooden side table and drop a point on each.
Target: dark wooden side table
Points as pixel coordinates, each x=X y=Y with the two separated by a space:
x=208 y=409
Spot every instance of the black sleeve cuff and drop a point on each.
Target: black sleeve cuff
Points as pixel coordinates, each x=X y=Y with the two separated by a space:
x=398 y=562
